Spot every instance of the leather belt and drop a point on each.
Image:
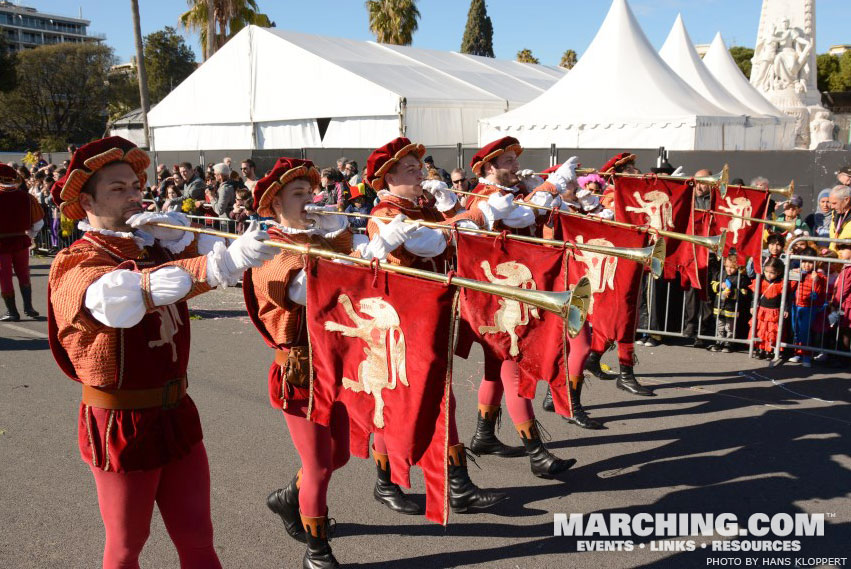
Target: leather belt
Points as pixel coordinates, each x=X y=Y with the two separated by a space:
x=281 y=357
x=167 y=397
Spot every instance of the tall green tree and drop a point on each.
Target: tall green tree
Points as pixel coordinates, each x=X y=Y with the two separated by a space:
x=393 y=21
x=742 y=56
x=568 y=59
x=525 y=56
x=7 y=65
x=228 y=18
x=478 y=34
x=169 y=61
x=826 y=65
x=61 y=97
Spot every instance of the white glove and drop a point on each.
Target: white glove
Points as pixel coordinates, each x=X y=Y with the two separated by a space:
x=390 y=236
x=678 y=171
x=426 y=242
x=501 y=204
x=833 y=317
x=525 y=174
x=326 y=224
x=545 y=199
x=161 y=233
x=444 y=199
x=565 y=174
x=225 y=266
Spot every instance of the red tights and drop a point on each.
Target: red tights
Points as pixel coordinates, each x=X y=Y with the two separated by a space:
x=181 y=490
x=322 y=451
x=19 y=261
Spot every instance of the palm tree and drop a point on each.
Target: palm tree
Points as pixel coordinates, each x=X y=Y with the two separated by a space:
x=393 y=21
x=140 y=68
x=228 y=18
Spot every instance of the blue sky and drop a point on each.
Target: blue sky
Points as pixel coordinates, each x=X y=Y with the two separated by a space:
x=547 y=27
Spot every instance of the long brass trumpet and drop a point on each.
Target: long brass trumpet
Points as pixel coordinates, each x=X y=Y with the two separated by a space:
x=572 y=306
x=721 y=179
x=714 y=243
x=785 y=192
x=785 y=226
x=652 y=257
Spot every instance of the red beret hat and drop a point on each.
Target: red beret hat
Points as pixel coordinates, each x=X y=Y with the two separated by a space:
x=493 y=150
x=87 y=160
x=9 y=178
x=382 y=159
x=617 y=161
x=283 y=172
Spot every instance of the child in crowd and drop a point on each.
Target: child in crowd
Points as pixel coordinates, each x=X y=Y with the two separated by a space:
x=840 y=300
x=174 y=200
x=809 y=297
x=241 y=211
x=732 y=299
x=768 y=308
x=357 y=204
x=774 y=248
x=821 y=327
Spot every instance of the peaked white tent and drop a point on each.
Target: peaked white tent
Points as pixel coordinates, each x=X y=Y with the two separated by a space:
x=269 y=89
x=620 y=94
x=761 y=131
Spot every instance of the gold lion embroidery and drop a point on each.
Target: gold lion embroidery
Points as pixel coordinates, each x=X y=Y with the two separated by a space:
x=385 y=351
x=657 y=207
x=511 y=313
x=169 y=321
x=601 y=268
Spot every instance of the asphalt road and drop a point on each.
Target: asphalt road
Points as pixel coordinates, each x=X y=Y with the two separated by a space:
x=725 y=434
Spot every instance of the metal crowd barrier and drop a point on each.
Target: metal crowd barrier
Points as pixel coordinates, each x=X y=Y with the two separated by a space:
x=785 y=303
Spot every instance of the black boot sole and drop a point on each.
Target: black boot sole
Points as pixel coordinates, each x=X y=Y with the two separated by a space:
x=506 y=452
x=474 y=509
x=589 y=424
x=412 y=510
x=635 y=392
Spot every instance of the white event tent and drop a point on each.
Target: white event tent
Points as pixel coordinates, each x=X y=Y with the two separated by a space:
x=274 y=89
x=763 y=130
x=621 y=94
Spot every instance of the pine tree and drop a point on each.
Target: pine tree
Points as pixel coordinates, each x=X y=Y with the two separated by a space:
x=478 y=35
x=525 y=56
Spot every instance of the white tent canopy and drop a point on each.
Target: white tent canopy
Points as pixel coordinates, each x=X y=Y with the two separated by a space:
x=269 y=89
x=621 y=94
x=762 y=131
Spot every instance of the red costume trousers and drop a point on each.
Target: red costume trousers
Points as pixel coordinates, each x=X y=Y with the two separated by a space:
x=181 y=490
x=322 y=451
x=626 y=350
x=19 y=261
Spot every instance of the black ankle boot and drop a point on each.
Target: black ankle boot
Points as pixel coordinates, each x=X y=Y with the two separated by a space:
x=592 y=365
x=388 y=493
x=284 y=502
x=318 y=554
x=543 y=463
x=627 y=382
x=464 y=496
x=484 y=440
x=12 y=314
x=27 y=296
x=580 y=415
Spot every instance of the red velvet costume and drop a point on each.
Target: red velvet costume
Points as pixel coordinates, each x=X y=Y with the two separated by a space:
x=19 y=213
x=137 y=454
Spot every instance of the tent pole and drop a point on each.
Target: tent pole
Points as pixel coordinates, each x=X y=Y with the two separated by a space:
x=403 y=103
x=460 y=153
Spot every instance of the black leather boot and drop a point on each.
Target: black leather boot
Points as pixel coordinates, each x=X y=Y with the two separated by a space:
x=547 y=404
x=284 y=502
x=318 y=554
x=627 y=382
x=388 y=493
x=464 y=496
x=544 y=464
x=580 y=415
x=484 y=440
x=27 y=296
x=12 y=314
x=592 y=365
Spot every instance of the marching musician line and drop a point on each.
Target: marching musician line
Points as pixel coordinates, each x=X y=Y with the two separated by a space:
x=544 y=292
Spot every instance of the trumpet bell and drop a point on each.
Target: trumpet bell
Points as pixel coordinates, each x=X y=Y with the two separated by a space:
x=577 y=312
x=785 y=192
x=783 y=226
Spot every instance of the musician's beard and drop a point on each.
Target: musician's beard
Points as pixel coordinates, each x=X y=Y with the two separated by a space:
x=506 y=178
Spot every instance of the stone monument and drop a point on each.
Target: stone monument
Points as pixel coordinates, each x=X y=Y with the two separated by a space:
x=784 y=68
